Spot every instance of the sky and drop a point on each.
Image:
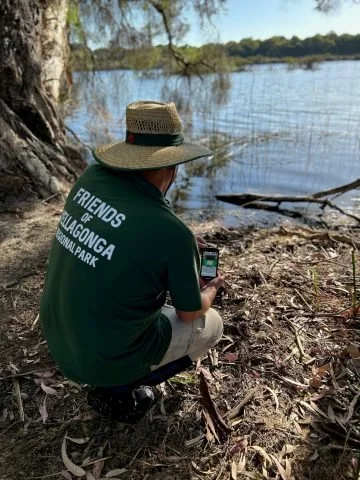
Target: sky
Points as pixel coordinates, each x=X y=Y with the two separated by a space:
x=266 y=18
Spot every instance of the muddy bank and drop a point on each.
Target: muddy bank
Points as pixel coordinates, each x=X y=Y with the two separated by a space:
x=291 y=333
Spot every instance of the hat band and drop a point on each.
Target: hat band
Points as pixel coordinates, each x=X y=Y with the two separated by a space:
x=154 y=139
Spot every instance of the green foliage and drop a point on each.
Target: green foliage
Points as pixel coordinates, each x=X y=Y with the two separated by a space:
x=184 y=379
x=280 y=47
x=233 y=56
x=74 y=22
x=132 y=28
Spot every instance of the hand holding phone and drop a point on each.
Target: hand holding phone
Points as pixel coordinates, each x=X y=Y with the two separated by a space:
x=209 y=263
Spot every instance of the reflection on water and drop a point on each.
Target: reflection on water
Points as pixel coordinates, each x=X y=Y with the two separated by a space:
x=271 y=130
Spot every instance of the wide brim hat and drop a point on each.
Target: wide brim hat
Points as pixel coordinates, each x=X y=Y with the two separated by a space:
x=154 y=140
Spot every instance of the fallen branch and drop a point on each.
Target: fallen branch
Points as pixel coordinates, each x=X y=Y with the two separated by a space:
x=234 y=412
x=245 y=199
x=222 y=430
x=341 y=189
x=268 y=208
x=255 y=200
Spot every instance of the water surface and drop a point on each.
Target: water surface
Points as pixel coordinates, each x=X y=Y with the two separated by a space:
x=272 y=130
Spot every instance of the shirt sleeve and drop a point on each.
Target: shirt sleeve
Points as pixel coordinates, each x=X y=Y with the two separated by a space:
x=183 y=274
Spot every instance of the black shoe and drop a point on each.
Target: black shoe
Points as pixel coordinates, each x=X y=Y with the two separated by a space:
x=144 y=400
x=122 y=407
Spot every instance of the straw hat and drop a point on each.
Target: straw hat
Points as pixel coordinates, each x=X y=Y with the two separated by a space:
x=153 y=140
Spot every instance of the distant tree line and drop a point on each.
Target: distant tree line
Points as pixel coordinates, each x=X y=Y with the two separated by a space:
x=224 y=57
x=278 y=46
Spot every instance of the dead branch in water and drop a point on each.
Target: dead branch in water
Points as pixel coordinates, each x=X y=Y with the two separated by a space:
x=255 y=200
x=341 y=189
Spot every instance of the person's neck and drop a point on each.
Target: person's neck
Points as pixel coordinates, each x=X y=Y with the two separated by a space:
x=156 y=178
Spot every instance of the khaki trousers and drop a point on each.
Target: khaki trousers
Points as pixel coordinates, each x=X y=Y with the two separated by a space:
x=191 y=338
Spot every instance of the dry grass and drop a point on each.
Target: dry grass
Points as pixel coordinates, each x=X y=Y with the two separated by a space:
x=289 y=331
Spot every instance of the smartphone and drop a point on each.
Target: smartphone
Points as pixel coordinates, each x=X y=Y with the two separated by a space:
x=209 y=263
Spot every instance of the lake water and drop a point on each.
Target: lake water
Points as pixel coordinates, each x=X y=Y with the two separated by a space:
x=272 y=130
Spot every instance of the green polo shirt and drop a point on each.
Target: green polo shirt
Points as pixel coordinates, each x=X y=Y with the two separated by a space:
x=117 y=251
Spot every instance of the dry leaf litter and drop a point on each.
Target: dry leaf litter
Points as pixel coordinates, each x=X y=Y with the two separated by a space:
x=276 y=399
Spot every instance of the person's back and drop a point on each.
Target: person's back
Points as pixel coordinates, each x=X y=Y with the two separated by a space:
x=117 y=252
x=110 y=259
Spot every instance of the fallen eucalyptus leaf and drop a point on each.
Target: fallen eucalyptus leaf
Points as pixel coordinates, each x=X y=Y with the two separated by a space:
x=262 y=452
x=48 y=390
x=281 y=469
x=233 y=471
x=74 y=469
x=97 y=469
x=241 y=464
x=79 y=441
x=238 y=447
x=113 y=473
x=66 y=475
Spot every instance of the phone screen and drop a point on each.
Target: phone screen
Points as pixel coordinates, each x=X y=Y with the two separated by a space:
x=209 y=263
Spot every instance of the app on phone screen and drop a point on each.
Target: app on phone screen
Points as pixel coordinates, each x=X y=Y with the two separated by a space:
x=209 y=264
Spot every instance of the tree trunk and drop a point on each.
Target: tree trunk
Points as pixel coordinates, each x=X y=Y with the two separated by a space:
x=35 y=157
x=55 y=51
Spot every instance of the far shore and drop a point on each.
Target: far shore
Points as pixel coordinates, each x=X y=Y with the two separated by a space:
x=241 y=65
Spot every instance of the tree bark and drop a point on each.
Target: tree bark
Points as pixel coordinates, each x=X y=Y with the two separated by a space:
x=55 y=51
x=35 y=158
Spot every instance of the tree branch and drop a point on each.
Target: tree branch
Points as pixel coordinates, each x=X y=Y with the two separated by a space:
x=254 y=200
x=180 y=59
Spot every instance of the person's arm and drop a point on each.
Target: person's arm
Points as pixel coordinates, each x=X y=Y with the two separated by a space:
x=208 y=294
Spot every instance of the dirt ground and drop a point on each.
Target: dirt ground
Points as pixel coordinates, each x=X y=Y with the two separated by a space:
x=289 y=359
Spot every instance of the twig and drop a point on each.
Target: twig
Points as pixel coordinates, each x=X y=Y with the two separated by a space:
x=2 y=432
x=51 y=196
x=303 y=299
x=46 y=476
x=19 y=400
x=35 y=322
x=77 y=138
x=344 y=451
x=180 y=59
x=339 y=447
x=134 y=457
x=303 y=355
x=14 y=282
x=24 y=374
x=327 y=203
x=234 y=412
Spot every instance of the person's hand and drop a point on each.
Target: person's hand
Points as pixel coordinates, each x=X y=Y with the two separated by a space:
x=200 y=241
x=202 y=283
x=215 y=282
